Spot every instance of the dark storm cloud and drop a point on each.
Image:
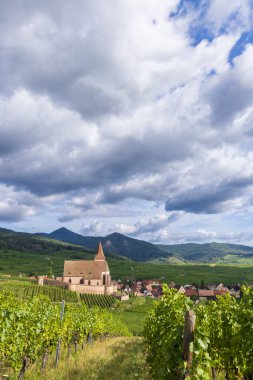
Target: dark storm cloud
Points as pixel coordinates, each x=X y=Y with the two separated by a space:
x=45 y=171
x=209 y=200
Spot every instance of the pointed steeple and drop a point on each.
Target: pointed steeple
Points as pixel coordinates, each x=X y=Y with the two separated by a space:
x=100 y=254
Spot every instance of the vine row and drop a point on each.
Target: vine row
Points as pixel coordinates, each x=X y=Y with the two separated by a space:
x=222 y=341
x=30 y=330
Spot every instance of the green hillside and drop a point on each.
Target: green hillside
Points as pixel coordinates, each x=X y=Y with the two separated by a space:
x=32 y=254
x=25 y=242
x=14 y=262
x=142 y=251
x=211 y=252
x=134 y=249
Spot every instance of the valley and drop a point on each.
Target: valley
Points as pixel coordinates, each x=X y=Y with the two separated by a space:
x=31 y=254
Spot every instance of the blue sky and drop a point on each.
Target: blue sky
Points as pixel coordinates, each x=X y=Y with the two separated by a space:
x=135 y=117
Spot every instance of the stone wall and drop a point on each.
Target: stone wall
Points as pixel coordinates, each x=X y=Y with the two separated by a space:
x=91 y=289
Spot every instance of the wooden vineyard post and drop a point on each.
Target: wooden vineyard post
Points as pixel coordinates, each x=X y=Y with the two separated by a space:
x=189 y=327
x=59 y=341
x=89 y=338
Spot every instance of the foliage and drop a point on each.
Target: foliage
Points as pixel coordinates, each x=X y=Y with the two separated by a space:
x=164 y=334
x=29 y=329
x=222 y=338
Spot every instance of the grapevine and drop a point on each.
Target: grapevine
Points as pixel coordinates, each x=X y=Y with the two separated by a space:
x=222 y=343
x=30 y=329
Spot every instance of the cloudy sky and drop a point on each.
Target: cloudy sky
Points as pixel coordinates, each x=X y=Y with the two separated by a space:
x=133 y=116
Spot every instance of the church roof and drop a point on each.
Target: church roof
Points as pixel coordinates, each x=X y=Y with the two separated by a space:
x=100 y=253
x=88 y=269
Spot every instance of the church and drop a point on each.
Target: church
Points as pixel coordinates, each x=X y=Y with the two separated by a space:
x=89 y=276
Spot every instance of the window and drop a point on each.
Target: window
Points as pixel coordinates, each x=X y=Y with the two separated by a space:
x=70 y=280
x=89 y=282
x=81 y=281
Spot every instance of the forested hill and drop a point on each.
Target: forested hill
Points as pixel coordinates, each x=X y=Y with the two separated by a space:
x=32 y=243
x=134 y=249
x=209 y=252
x=117 y=245
x=139 y=250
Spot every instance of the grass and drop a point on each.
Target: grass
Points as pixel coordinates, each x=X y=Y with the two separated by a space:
x=112 y=359
x=133 y=313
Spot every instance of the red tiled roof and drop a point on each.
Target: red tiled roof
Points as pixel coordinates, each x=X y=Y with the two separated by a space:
x=191 y=292
x=220 y=292
x=206 y=293
x=100 y=254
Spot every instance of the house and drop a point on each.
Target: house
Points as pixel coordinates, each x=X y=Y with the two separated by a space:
x=181 y=290
x=191 y=293
x=136 y=286
x=205 y=293
x=148 y=293
x=172 y=285
x=89 y=276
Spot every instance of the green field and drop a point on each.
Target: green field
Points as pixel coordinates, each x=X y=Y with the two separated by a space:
x=184 y=273
x=133 y=313
x=14 y=262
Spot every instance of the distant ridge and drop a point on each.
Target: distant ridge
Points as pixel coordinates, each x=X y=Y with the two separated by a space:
x=140 y=250
x=120 y=246
x=208 y=252
x=114 y=243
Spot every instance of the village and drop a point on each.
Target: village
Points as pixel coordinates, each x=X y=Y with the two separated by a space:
x=93 y=277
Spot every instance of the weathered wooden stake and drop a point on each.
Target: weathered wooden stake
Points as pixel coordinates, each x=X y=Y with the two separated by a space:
x=189 y=327
x=214 y=377
x=76 y=346
x=89 y=338
x=23 y=369
x=59 y=341
x=44 y=361
x=69 y=351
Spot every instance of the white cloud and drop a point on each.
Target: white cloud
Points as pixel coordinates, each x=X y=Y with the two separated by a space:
x=94 y=229
x=109 y=108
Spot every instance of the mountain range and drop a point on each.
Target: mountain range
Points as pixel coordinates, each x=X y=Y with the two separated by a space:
x=139 y=250
x=119 y=246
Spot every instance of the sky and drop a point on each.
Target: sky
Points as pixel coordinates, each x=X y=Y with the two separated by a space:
x=130 y=116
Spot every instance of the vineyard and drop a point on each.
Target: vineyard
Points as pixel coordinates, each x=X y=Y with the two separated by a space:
x=103 y=301
x=54 y=293
x=25 y=290
x=31 y=330
x=221 y=344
